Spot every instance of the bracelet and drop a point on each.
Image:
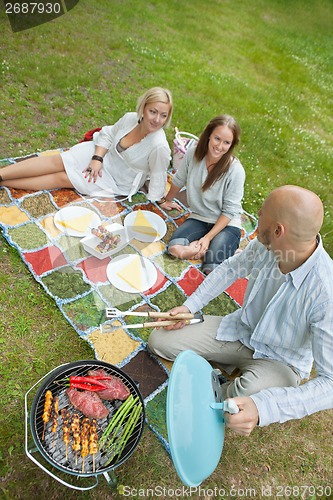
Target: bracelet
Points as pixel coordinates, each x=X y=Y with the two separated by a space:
x=98 y=158
x=161 y=201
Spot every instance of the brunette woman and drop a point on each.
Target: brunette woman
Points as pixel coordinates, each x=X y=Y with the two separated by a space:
x=214 y=180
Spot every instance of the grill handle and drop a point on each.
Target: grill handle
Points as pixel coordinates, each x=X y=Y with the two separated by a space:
x=33 y=459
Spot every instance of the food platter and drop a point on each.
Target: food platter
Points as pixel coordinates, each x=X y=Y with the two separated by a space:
x=149 y=220
x=90 y=243
x=131 y=273
x=76 y=221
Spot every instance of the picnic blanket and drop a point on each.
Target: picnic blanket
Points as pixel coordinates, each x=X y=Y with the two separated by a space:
x=78 y=282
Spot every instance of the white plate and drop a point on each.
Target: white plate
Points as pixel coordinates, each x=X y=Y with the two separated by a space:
x=68 y=213
x=90 y=242
x=148 y=270
x=154 y=220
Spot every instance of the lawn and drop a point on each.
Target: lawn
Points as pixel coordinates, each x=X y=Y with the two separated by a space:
x=269 y=63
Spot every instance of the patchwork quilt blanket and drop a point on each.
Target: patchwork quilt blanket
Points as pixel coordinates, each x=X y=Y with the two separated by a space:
x=79 y=285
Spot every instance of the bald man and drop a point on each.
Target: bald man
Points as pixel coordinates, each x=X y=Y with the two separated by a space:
x=286 y=321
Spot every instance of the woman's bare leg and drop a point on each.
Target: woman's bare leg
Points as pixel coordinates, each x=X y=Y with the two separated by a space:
x=49 y=181
x=40 y=172
x=33 y=167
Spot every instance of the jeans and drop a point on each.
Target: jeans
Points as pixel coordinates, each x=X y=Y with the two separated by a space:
x=221 y=247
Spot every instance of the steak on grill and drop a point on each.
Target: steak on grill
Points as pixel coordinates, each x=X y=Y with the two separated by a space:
x=116 y=389
x=88 y=402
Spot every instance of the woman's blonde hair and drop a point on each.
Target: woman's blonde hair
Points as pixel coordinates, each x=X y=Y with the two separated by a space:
x=155 y=94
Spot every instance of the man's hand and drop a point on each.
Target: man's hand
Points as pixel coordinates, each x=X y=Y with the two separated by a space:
x=173 y=312
x=246 y=420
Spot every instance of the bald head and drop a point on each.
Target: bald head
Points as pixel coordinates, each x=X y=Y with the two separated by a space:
x=299 y=210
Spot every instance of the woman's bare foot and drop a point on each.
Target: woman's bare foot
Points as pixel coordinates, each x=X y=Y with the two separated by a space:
x=185 y=251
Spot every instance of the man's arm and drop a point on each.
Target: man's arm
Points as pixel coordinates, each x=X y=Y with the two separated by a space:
x=280 y=404
x=223 y=276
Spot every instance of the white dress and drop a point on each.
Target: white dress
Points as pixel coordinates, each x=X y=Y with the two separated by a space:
x=123 y=173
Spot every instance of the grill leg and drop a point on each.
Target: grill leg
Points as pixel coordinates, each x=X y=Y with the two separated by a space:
x=32 y=448
x=111 y=478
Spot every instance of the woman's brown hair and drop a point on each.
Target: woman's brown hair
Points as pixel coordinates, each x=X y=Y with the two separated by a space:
x=223 y=165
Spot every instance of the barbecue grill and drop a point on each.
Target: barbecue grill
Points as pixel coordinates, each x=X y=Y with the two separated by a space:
x=53 y=449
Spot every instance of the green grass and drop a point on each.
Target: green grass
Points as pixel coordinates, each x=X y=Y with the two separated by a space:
x=269 y=63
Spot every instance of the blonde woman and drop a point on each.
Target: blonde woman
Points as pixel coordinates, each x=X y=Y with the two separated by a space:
x=118 y=161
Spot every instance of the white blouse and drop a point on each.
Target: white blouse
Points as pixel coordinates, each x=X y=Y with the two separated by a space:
x=123 y=172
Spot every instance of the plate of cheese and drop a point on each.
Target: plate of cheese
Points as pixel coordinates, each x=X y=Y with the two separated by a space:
x=131 y=273
x=76 y=221
x=145 y=226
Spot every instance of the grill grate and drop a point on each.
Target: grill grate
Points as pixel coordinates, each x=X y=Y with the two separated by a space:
x=53 y=448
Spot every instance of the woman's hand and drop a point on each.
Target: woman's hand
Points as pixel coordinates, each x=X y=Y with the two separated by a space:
x=93 y=171
x=203 y=245
x=171 y=205
x=173 y=312
x=246 y=420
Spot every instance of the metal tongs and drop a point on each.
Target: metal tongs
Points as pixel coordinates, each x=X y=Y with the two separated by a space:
x=113 y=312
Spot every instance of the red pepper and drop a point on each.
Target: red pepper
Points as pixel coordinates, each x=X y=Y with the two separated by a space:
x=86 y=383
x=85 y=387
x=87 y=380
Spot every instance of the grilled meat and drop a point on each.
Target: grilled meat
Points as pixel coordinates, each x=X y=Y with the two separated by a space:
x=93 y=441
x=85 y=429
x=93 y=438
x=55 y=414
x=75 y=426
x=47 y=410
x=65 y=415
x=116 y=389
x=89 y=403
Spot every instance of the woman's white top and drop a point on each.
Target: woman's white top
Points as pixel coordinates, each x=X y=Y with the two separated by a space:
x=124 y=172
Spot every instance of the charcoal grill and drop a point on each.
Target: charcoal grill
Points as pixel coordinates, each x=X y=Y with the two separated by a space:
x=53 y=449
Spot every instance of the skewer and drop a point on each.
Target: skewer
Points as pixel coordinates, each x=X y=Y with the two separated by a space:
x=84 y=439
x=66 y=429
x=93 y=441
x=76 y=434
x=47 y=410
x=55 y=416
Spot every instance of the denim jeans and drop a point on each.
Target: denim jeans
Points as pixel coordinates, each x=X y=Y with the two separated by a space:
x=221 y=247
